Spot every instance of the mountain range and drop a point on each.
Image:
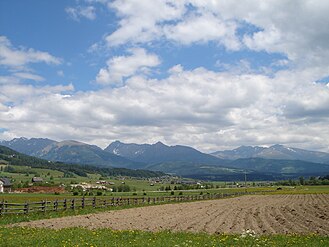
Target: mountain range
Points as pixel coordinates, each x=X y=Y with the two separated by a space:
x=273 y=152
x=265 y=163
x=14 y=158
x=160 y=153
x=69 y=152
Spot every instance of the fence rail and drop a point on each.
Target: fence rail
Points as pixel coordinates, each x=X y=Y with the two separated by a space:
x=96 y=202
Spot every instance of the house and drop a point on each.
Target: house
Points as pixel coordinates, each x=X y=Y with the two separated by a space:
x=37 y=180
x=5 y=185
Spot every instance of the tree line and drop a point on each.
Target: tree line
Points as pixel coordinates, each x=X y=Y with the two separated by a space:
x=322 y=180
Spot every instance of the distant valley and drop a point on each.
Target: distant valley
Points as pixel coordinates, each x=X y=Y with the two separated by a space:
x=260 y=163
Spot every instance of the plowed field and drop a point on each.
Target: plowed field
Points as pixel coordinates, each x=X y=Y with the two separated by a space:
x=265 y=214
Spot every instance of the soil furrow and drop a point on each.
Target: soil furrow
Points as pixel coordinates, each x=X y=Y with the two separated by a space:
x=268 y=214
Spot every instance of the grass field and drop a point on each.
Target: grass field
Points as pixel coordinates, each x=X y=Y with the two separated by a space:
x=24 y=197
x=105 y=237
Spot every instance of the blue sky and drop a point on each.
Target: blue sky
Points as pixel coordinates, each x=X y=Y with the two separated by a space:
x=210 y=74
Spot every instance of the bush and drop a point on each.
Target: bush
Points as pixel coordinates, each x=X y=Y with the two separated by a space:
x=75 y=193
x=172 y=193
x=180 y=193
x=99 y=193
x=123 y=188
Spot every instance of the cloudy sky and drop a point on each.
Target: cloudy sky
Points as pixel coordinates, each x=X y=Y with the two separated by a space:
x=210 y=74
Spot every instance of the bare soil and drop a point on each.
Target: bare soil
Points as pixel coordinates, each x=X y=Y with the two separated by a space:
x=265 y=214
x=40 y=189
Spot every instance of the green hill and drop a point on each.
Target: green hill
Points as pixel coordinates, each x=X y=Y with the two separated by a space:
x=11 y=157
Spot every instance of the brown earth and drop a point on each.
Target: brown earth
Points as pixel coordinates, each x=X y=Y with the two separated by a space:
x=264 y=214
x=40 y=189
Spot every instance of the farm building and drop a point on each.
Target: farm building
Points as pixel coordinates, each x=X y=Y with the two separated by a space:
x=37 y=180
x=5 y=185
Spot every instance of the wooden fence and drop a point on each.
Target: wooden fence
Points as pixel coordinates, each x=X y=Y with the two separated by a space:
x=99 y=202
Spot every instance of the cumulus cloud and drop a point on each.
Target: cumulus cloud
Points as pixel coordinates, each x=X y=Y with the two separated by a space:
x=145 y=21
x=141 y=20
x=209 y=28
x=295 y=29
x=88 y=12
x=19 y=57
x=120 y=67
x=202 y=108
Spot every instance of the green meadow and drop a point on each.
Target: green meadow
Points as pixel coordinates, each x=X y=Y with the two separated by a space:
x=106 y=237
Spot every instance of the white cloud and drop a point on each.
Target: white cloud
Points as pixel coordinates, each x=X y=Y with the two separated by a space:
x=18 y=92
x=28 y=76
x=18 y=58
x=297 y=30
x=60 y=73
x=206 y=109
x=141 y=20
x=9 y=80
x=88 y=12
x=121 y=67
x=203 y=28
x=202 y=108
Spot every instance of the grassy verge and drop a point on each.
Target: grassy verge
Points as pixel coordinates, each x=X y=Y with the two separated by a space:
x=25 y=197
x=105 y=237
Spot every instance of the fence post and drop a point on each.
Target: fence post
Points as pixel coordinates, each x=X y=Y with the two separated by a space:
x=56 y=205
x=112 y=201
x=73 y=204
x=43 y=207
x=94 y=202
x=5 y=206
x=1 y=206
x=83 y=202
x=26 y=208
x=65 y=204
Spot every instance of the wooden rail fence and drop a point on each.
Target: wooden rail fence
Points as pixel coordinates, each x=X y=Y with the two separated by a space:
x=99 y=202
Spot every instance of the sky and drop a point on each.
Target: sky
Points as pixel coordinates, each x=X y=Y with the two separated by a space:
x=209 y=74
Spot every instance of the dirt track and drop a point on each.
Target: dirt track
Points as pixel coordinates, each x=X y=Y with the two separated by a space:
x=268 y=214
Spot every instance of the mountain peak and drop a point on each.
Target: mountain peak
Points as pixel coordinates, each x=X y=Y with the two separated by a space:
x=244 y=148
x=277 y=146
x=159 y=144
x=71 y=143
x=20 y=139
